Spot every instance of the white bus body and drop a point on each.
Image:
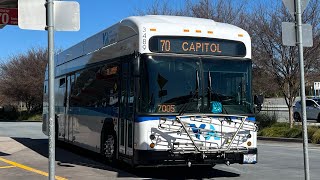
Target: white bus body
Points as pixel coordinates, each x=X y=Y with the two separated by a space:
x=145 y=91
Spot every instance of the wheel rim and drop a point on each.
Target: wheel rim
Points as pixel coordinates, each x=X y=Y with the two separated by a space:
x=108 y=147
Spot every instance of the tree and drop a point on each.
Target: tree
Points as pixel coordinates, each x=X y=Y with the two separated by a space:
x=279 y=61
x=225 y=11
x=219 y=10
x=22 y=76
x=276 y=65
x=159 y=8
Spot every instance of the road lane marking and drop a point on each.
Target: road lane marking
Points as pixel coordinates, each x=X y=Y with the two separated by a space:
x=5 y=167
x=29 y=168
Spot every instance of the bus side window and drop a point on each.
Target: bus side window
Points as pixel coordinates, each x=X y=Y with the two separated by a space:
x=62 y=82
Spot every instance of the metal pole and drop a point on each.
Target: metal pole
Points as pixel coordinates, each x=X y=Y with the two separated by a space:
x=50 y=29
x=302 y=89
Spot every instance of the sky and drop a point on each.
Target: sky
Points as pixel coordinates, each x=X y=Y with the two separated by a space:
x=95 y=15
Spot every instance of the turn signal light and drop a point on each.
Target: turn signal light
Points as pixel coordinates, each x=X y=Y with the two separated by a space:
x=249 y=143
x=152 y=145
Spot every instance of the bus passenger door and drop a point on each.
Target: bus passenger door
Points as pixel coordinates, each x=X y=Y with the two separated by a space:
x=70 y=113
x=61 y=97
x=66 y=108
x=126 y=123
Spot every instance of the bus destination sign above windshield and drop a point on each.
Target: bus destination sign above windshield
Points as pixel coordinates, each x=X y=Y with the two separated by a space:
x=195 y=45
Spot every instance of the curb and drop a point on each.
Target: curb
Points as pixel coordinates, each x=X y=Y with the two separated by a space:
x=20 y=121
x=281 y=139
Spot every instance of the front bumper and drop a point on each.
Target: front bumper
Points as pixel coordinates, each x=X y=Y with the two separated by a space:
x=167 y=158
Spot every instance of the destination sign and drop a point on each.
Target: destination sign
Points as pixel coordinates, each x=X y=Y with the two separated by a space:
x=195 y=45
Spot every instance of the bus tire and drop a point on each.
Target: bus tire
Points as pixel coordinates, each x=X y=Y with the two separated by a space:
x=109 y=146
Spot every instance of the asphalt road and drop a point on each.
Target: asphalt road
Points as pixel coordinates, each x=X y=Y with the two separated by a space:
x=25 y=146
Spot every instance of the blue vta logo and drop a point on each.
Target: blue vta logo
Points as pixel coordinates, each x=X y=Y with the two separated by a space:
x=197 y=131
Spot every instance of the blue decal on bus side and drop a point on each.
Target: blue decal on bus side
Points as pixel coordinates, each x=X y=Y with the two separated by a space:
x=212 y=133
x=197 y=130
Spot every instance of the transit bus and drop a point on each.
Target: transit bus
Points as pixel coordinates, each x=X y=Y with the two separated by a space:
x=158 y=90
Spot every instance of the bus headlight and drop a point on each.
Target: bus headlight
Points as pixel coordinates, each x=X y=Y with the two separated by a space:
x=249 y=136
x=152 y=137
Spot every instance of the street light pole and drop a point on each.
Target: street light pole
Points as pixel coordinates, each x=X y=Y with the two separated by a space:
x=302 y=89
x=50 y=29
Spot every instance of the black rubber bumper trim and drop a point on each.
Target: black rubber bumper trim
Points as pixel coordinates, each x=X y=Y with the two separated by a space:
x=163 y=158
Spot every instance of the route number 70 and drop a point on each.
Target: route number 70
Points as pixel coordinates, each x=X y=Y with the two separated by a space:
x=165 y=45
x=4 y=17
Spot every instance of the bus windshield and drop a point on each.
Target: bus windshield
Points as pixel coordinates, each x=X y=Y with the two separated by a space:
x=175 y=84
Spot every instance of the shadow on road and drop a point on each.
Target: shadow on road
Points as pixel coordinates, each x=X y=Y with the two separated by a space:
x=182 y=173
x=3 y=154
x=68 y=156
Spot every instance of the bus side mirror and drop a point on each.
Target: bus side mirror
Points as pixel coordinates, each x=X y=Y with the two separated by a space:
x=258 y=101
x=162 y=93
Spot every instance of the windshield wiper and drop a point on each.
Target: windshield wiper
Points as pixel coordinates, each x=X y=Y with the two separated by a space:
x=195 y=94
x=209 y=89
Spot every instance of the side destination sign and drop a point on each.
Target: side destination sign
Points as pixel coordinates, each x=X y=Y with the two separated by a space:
x=196 y=45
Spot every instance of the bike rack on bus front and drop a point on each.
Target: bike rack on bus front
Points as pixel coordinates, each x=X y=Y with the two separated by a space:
x=185 y=128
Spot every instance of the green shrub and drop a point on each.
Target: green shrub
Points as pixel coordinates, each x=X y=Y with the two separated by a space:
x=311 y=131
x=24 y=116
x=281 y=130
x=273 y=132
x=316 y=137
x=295 y=132
x=35 y=117
x=265 y=120
x=281 y=124
x=284 y=130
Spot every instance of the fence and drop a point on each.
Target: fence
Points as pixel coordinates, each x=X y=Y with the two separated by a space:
x=276 y=107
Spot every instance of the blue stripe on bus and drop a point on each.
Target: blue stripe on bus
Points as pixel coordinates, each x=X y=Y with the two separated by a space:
x=152 y=118
x=251 y=118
